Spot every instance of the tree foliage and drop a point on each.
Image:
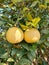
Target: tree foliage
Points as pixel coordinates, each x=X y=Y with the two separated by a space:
x=24 y=14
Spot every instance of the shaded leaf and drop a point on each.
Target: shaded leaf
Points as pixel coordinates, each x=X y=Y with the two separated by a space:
x=5 y=55
x=1 y=23
x=20 y=53
x=31 y=55
x=45 y=31
x=25 y=46
x=1 y=1
x=44 y=62
x=47 y=44
x=13 y=52
x=24 y=61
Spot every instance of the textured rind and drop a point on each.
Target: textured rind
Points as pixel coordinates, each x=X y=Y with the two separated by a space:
x=14 y=35
x=31 y=35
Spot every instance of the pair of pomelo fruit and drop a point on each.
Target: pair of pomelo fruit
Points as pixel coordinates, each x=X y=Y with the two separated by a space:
x=15 y=35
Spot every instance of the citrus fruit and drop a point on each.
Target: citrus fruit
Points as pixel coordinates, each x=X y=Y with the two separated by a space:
x=31 y=35
x=14 y=35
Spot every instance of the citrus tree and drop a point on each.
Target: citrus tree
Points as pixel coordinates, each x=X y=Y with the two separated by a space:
x=30 y=44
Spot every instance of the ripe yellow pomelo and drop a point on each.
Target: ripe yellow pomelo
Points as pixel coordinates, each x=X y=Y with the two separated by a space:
x=31 y=35
x=14 y=35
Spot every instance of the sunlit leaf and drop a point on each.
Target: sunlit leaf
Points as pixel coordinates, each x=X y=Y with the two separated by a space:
x=15 y=1
x=29 y=16
x=25 y=9
x=34 y=3
x=23 y=26
x=3 y=64
x=35 y=21
x=28 y=23
x=10 y=60
x=46 y=1
x=42 y=6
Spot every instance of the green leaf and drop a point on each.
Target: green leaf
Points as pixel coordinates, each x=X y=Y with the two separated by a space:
x=25 y=46
x=30 y=13
x=29 y=16
x=45 y=31
x=35 y=21
x=47 y=44
x=32 y=52
x=44 y=62
x=20 y=53
x=33 y=47
x=25 y=9
x=13 y=52
x=45 y=36
x=5 y=55
x=1 y=23
x=10 y=60
x=46 y=1
x=31 y=55
x=48 y=39
x=34 y=4
x=23 y=26
x=2 y=50
x=42 y=6
x=3 y=64
x=15 y=1
x=1 y=1
x=24 y=61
